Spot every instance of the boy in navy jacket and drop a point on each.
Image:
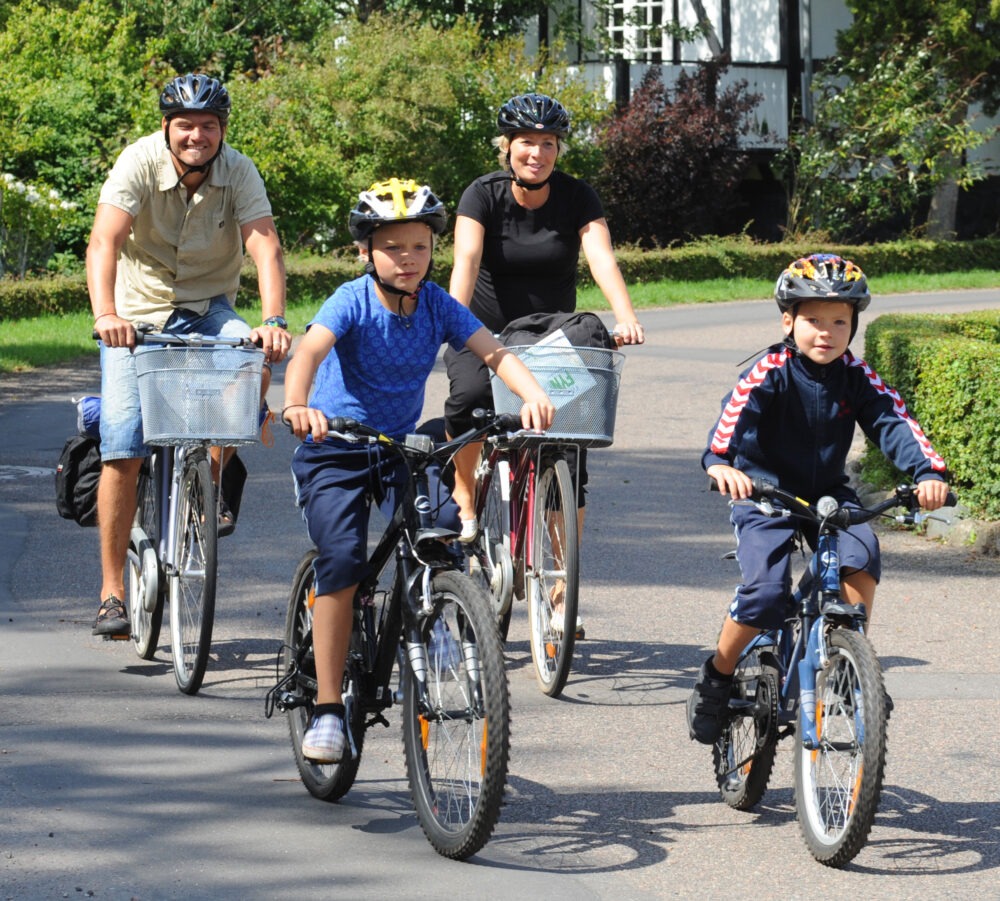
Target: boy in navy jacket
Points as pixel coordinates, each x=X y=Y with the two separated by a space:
x=791 y=420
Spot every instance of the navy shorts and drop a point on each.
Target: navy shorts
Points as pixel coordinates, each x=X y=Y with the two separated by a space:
x=764 y=548
x=336 y=484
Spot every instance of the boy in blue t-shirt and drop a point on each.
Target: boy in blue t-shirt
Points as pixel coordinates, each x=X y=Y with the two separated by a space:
x=367 y=355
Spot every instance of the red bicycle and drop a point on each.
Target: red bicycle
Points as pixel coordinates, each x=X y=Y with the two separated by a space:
x=526 y=500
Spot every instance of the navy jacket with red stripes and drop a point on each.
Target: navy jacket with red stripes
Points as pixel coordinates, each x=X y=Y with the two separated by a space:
x=791 y=421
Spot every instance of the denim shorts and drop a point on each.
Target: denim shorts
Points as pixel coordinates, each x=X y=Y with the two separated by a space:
x=121 y=417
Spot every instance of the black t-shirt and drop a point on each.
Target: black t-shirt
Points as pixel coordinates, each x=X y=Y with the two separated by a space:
x=530 y=257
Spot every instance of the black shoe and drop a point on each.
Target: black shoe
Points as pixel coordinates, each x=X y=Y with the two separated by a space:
x=227 y=522
x=112 y=619
x=707 y=707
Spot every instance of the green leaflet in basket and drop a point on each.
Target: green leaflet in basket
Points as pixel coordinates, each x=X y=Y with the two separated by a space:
x=558 y=368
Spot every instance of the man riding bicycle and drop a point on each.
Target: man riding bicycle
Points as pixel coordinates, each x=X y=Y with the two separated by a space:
x=166 y=248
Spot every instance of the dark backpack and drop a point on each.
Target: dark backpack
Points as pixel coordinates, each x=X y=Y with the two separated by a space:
x=582 y=330
x=77 y=475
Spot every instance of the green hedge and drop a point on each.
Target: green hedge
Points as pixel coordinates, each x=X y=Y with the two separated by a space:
x=746 y=259
x=315 y=278
x=947 y=369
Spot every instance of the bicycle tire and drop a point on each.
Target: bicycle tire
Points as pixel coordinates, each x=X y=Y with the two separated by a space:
x=328 y=782
x=744 y=754
x=839 y=784
x=555 y=561
x=192 y=585
x=144 y=587
x=457 y=743
x=496 y=567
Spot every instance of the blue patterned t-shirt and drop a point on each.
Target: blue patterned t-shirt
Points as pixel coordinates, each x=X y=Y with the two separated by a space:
x=379 y=366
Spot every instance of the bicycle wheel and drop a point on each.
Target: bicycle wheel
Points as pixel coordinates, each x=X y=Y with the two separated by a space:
x=553 y=576
x=192 y=585
x=328 y=782
x=496 y=566
x=744 y=754
x=143 y=580
x=456 y=728
x=839 y=783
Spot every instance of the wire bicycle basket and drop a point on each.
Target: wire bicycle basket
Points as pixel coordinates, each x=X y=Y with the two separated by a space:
x=581 y=382
x=199 y=395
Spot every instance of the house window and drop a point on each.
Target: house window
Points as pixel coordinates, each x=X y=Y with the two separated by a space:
x=641 y=30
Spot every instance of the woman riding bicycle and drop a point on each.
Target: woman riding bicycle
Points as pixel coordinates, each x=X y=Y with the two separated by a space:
x=518 y=237
x=167 y=248
x=370 y=350
x=790 y=420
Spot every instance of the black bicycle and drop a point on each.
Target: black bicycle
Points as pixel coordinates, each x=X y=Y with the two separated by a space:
x=817 y=678
x=418 y=612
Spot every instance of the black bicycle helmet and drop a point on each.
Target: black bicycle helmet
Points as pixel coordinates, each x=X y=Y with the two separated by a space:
x=533 y=112
x=195 y=93
x=396 y=200
x=822 y=276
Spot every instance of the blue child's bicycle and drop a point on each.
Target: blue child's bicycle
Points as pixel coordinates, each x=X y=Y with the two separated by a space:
x=817 y=679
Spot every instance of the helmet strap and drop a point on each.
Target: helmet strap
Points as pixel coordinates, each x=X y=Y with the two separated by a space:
x=527 y=186
x=392 y=289
x=204 y=167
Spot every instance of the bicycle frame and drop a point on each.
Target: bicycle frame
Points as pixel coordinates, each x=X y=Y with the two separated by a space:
x=800 y=652
x=520 y=494
x=411 y=539
x=168 y=467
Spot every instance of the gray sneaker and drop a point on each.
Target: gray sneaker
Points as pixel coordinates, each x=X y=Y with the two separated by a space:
x=707 y=707
x=324 y=739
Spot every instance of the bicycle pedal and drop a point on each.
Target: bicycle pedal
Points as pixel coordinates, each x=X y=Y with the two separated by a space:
x=117 y=637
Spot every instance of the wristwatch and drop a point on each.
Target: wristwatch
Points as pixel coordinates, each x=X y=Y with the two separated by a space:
x=277 y=322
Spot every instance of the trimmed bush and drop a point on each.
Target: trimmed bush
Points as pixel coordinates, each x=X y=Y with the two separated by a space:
x=316 y=277
x=947 y=368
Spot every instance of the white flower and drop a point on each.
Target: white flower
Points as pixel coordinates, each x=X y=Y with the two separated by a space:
x=19 y=187
x=33 y=196
x=53 y=194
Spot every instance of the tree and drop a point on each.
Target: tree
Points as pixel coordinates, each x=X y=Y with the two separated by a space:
x=72 y=84
x=960 y=40
x=886 y=136
x=348 y=111
x=672 y=159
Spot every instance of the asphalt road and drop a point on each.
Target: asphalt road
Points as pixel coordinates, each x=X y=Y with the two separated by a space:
x=115 y=786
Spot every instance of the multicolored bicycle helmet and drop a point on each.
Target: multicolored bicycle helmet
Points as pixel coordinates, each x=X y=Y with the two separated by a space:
x=822 y=276
x=195 y=93
x=396 y=200
x=533 y=112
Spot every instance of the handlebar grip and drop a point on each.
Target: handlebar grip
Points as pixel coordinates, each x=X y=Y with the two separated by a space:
x=763 y=488
x=342 y=424
x=508 y=422
x=951 y=500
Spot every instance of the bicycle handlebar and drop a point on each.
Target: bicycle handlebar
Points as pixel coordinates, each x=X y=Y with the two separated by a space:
x=351 y=430
x=144 y=334
x=836 y=515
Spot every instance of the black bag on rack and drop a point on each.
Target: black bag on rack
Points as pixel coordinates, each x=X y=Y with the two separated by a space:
x=78 y=473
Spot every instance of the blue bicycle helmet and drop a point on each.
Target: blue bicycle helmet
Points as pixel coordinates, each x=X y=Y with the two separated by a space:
x=195 y=94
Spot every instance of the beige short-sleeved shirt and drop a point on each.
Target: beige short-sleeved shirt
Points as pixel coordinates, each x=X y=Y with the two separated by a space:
x=180 y=252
